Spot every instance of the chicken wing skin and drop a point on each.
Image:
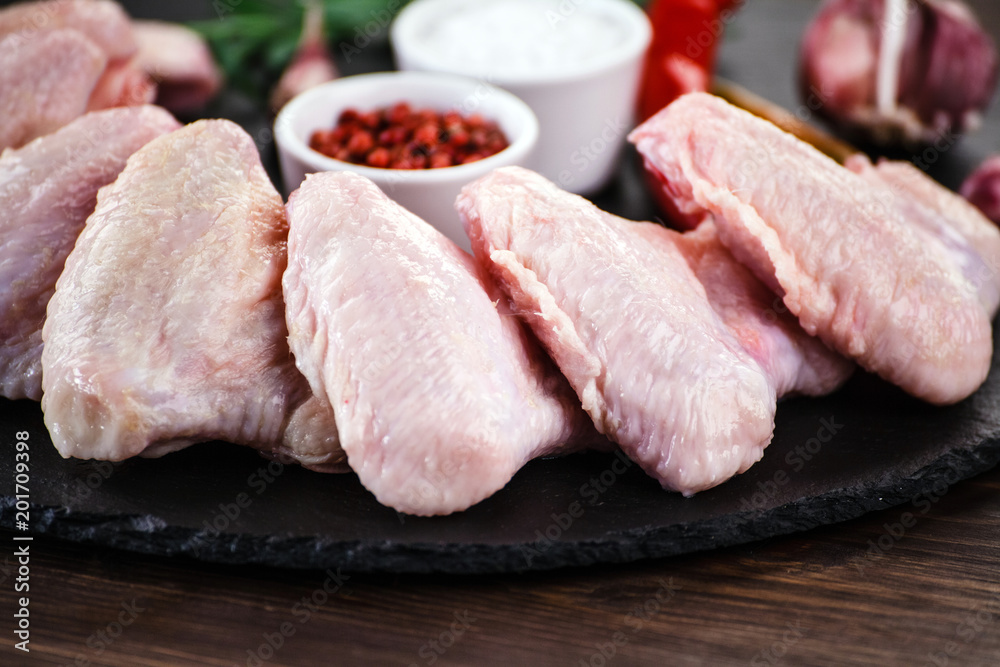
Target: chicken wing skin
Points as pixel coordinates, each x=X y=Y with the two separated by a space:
x=167 y=326
x=439 y=392
x=834 y=245
x=48 y=188
x=629 y=325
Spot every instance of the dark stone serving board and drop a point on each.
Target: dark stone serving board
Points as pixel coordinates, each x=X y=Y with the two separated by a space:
x=864 y=448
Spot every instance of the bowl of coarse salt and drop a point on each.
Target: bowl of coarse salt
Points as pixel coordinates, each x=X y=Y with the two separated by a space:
x=576 y=63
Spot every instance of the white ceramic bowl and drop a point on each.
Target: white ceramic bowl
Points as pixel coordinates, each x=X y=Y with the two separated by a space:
x=584 y=109
x=430 y=193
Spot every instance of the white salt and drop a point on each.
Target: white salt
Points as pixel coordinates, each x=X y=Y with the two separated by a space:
x=522 y=38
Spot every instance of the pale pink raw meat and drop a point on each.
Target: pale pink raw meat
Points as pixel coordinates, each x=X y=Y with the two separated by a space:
x=833 y=244
x=167 y=325
x=971 y=240
x=48 y=188
x=48 y=81
x=311 y=438
x=440 y=394
x=180 y=62
x=103 y=22
x=45 y=82
x=629 y=325
x=123 y=84
x=794 y=362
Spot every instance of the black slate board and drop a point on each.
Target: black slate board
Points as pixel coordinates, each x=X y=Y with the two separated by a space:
x=865 y=448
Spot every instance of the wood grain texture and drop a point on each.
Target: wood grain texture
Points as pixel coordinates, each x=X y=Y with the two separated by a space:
x=825 y=597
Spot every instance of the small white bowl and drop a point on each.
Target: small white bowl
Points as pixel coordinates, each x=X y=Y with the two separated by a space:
x=582 y=88
x=430 y=193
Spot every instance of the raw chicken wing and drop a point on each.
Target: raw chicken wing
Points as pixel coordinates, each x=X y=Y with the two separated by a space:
x=439 y=393
x=944 y=218
x=180 y=62
x=167 y=325
x=794 y=362
x=48 y=188
x=833 y=244
x=103 y=22
x=629 y=325
x=45 y=82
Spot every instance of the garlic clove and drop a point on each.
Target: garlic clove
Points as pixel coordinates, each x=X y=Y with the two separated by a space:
x=950 y=74
x=312 y=63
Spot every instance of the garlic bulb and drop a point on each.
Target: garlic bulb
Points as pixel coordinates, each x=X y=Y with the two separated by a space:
x=898 y=72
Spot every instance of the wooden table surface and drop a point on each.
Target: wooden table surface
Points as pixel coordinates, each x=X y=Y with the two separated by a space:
x=870 y=591
x=879 y=590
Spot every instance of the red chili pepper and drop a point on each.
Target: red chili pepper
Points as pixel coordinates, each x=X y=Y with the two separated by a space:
x=681 y=57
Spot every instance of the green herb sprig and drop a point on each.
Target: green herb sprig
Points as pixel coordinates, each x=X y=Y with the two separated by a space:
x=253 y=40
